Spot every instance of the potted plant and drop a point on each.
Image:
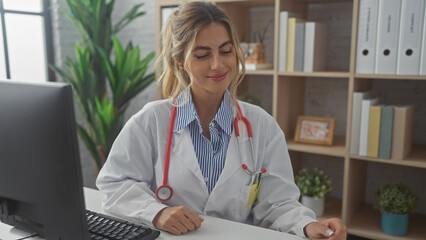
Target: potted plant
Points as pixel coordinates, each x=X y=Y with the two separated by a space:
x=92 y=72
x=395 y=202
x=314 y=185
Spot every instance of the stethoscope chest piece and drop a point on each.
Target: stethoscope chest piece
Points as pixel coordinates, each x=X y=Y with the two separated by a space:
x=164 y=193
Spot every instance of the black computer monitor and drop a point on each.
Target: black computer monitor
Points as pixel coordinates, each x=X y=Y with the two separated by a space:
x=40 y=176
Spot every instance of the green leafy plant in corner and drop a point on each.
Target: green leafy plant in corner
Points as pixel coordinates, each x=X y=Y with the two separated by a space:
x=396 y=198
x=92 y=72
x=313 y=183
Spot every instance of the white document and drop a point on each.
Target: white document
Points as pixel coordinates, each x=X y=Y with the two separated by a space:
x=282 y=51
x=387 y=38
x=315 y=47
x=356 y=120
x=365 y=122
x=423 y=53
x=367 y=36
x=410 y=37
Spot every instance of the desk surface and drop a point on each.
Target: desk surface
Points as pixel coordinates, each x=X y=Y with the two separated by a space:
x=211 y=228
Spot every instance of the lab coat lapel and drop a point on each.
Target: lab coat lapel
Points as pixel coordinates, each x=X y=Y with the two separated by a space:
x=232 y=163
x=184 y=151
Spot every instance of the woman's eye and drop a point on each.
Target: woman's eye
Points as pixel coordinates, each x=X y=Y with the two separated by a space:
x=227 y=52
x=201 y=56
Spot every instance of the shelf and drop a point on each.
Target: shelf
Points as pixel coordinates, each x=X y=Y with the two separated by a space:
x=327 y=74
x=269 y=72
x=246 y=3
x=338 y=148
x=367 y=224
x=417 y=158
x=333 y=208
x=391 y=77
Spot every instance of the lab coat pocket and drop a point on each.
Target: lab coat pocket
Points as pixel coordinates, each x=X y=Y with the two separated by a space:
x=243 y=211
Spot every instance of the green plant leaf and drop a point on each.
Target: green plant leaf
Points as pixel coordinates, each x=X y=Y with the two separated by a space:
x=313 y=183
x=90 y=144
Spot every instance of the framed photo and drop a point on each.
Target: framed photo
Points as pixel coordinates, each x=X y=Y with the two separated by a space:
x=316 y=130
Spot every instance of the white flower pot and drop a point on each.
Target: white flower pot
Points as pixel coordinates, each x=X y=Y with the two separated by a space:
x=317 y=205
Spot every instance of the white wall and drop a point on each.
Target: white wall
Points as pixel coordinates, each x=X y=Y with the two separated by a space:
x=140 y=32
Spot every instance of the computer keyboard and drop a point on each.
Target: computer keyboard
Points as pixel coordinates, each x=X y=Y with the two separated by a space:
x=103 y=227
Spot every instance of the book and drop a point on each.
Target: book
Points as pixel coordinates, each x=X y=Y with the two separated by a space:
x=299 y=45
x=386 y=130
x=356 y=120
x=282 y=46
x=374 y=131
x=315 y=47
x=402 y=132
x=365 y=120
x=291 y=34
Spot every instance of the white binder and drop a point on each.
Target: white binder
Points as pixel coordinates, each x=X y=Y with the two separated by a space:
x=365 y=121
x=423 y=54
x=356 y=119
x=387 y=38
x=410 y=37
x=315 y=47
x=367 y=36
x=282 y=46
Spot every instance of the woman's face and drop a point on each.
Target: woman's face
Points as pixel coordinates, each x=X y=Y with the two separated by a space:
x=212 y=63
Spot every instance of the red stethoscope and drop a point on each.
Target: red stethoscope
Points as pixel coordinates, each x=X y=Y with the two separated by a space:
x=164 y=193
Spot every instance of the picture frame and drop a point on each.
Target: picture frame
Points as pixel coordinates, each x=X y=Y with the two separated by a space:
x=315 y=130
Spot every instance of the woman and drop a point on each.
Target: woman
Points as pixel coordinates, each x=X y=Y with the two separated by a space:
x=200 y=78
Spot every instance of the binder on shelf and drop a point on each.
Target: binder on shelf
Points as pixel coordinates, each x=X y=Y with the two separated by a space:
x=291 y=42
x=387 y=37
x=365 y=120
x=423 y=53
x=374 y=131
x=367 y=36
x=386 y=131
x=282 y=46
x=356 y=120
x=315 y=47
x=299 y=45
x=402 y=132
x=410 y=37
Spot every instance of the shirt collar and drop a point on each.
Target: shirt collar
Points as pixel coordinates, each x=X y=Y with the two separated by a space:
x=186 y=112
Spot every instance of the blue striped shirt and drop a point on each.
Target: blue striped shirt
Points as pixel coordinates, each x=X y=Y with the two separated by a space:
x=211 y=154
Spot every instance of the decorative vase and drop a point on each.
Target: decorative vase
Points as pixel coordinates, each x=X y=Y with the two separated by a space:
x=316 y=205
x=395 y=224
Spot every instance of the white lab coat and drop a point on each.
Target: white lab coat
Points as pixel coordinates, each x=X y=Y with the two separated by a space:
x=135 y=166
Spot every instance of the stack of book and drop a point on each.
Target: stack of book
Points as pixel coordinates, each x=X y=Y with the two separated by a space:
x=391 y=37
x=302 y=44
x=378 y=130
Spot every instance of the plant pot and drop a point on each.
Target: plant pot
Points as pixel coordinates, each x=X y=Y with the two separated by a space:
x=317 y=205
x=395 y=224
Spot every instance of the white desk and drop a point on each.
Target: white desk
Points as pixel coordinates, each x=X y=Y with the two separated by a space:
x=211 y=228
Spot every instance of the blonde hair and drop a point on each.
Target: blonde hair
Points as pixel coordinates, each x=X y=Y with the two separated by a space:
x=180 y=32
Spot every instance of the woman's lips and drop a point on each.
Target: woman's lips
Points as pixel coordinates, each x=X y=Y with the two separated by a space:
x=218 y=77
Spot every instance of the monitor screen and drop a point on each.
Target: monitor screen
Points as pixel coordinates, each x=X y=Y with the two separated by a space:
x=40 y=176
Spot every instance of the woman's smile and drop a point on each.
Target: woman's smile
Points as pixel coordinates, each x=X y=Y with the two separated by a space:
x=218 y=77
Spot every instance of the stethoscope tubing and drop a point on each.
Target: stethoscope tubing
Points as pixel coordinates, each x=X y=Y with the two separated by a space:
x=158 y=193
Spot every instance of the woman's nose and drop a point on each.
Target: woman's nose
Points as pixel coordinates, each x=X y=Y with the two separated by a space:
x=216 y=62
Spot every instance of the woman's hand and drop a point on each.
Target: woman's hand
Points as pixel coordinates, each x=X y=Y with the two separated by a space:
x=331 y=229
x=177 y=220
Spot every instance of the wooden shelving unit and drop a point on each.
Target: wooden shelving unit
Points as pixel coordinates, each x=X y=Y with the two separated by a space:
x=288 y=102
